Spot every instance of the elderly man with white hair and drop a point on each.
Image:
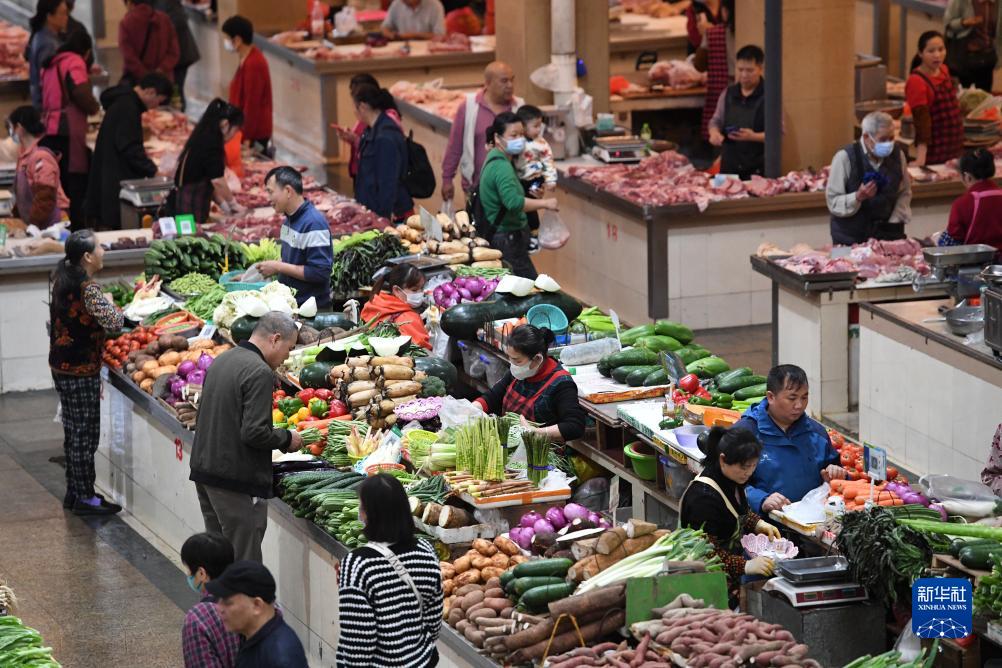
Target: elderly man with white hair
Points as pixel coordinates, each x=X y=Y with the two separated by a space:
x=869 y=192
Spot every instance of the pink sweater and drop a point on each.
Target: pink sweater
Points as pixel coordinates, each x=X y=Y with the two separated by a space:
x=454 y=151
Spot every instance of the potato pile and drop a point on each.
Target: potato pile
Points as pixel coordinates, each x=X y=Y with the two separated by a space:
x=373 y=386
x=484 y=561
x=460 y=243
x=164 y=355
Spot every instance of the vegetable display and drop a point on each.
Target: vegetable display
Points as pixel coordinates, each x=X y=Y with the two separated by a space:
x=463 y=289
x=275 y=296
x=373 y=386
x=21 y=646
x=206 y=302
x=173 y=258
x=479 y=450
x=193 y=283
x=463 y=321
x=357 y=258
x=537 y=452
x=893 y=659
x=263 y=250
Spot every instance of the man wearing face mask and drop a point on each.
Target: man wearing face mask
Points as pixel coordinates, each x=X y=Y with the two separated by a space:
x=537 y=387
x=205 y=642
x=869 y=192
x=250 y=88
x=307 y=256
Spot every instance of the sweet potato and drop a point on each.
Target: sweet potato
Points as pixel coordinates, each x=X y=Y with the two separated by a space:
x=471 y=599
x=466 y=589
x=507 y=546
x=494 y=592
x=482 y=611
x=455 y=614
x=568 y=638
x=492 y=583
x=497 y=604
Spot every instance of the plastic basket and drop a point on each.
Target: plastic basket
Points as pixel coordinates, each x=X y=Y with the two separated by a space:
x=677 y=477
x=382 y=468
x=420 y=436
x=549 y=316
x=228 y=282
x=645 y=466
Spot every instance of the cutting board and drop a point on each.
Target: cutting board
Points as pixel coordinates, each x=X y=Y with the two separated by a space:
x=596 y=388
x=643 y=594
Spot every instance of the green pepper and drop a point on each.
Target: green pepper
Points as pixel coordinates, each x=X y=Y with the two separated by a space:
x=318 y=408
x=700 y=401
x=290 y=405
x=670 y=423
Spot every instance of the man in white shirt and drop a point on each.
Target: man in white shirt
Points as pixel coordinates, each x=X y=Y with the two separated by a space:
x=414 y=19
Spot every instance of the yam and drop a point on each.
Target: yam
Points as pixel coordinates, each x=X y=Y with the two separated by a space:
x=430 y=517
x=455 y=615
x=494 y=592
x=491 y=572
x=471 y=599
x=470 y=576
x=466 y=589
x=484 y=547
x=507 y=546
x=452 y=517
x=475 y=635
x=481 y=562
x=603 y=598
x=493 y=583
x=568 y=639
x=610 y=540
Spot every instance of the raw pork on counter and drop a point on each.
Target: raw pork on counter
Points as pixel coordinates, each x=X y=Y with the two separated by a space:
x=676 y=74
x=883 y=261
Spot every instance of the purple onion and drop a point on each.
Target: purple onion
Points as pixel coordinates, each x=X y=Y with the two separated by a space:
x=594 y=518
x=196 y=377
x=529 y=519
x=543 y=526
x=185 y=367
x=556 y=517
x=177 y=387
x=204 y=361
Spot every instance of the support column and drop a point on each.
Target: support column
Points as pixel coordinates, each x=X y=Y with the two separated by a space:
x=592 y=36
x=523 y=41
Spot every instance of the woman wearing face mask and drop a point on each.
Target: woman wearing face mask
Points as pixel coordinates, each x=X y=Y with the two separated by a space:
x=502 y=197
x=715 y=502
x=537 y=387
x=80 y=316
x=199 y=177
x=932 y=96
x=976 y=216
x=397 y=297
x=204 y=640
x=39 y=195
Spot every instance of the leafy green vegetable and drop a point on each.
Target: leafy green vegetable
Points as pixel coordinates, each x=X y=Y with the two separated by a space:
x=266 y=249
x=204 y=304
x=356 y=259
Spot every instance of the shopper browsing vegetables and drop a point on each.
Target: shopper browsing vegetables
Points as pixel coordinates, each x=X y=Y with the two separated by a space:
x=80 y=316
x=797 y=453
x=307 y=256
x=537 y=387
x=715 y=502
x=397 y=295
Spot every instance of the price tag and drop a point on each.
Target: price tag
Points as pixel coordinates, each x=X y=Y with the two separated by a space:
x=186 y=224
x=168 y=228
x=677 y=456
x=208 y=331
x=178 y=449
x=432 y=228
x=876 y=461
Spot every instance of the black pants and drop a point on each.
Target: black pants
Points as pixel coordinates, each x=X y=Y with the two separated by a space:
x=532 y=217
x=841 y=236
x=981 y=78
x=74 y=185
x=514 y=247
x=180 y=74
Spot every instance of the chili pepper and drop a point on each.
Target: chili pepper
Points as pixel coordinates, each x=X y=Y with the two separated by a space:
x=700 y=401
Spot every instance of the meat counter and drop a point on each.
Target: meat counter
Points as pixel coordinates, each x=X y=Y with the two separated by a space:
x=309 y=95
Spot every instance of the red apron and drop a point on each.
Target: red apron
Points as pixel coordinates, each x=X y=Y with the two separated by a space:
x=986 y=228
x=717 y=76
x=526 y=406
x=947 y=140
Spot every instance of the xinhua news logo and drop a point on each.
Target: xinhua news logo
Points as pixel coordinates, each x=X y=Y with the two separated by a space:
x=942 y=608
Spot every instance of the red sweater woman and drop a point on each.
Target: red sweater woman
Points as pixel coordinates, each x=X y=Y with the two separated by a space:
x=932 y=96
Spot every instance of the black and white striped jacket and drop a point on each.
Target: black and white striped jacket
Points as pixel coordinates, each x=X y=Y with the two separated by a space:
x=380 y=618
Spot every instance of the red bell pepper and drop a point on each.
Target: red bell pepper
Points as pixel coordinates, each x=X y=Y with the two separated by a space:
x=306 y=395
x=689 y=383
x=702 y=393
x=323 y=394
x=336 y=408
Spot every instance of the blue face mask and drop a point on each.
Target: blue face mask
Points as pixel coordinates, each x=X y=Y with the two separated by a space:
x=882 y=149
x=515 y=146
x=194 y=586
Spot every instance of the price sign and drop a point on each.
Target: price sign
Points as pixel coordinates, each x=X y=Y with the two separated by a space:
x=177 y=226
x=209 y=330
x=677 y=456
x=430 y=223
x=876 y=461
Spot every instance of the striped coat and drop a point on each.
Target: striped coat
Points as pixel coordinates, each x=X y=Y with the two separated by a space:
x=379 y=614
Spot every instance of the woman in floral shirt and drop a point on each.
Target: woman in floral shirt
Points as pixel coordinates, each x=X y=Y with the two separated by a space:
x=80 y=315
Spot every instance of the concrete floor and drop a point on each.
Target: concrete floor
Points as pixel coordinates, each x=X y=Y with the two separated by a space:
x=101 y=593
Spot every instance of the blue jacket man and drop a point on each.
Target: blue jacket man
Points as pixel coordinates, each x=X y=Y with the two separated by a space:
x=307 y=253
x=797 y=454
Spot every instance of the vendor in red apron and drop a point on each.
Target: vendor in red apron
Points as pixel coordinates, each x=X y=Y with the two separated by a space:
x=39 y=197
x=715 y=502
x=715 y=56
x=738 y=123
x=932 y=96
x=976 y=216
x=537 y=387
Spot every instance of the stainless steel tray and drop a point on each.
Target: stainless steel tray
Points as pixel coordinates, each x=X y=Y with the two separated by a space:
x=939 y=256
x=815 y=569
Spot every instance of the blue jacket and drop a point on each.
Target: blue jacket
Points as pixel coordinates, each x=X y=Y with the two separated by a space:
x=382 y=164
x=791 y=462
x=306 y=241
x=275 y=645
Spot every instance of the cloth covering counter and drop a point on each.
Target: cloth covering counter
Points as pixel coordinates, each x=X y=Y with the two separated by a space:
x=931 y=400
x=142 y=464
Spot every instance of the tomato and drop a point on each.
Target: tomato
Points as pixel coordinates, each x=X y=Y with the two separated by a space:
x=689 y=383
x=892 y=473
x=846 y=459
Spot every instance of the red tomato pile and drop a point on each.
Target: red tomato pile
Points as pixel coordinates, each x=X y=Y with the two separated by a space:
x=116 y=351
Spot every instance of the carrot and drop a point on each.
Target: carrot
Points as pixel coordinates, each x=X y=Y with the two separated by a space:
x=849 y=494
x=319 y=424
x=344 y=418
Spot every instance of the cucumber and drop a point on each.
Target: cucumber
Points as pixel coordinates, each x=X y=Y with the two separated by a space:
x=620 y=374
x=637 y=378
x=734 y=374
x=658 y=377
x=735 y=384
x=750 y=392
x=506 y=578
x=522 y=585
x=658 y=343
x=630 y=336
x=978 y=557
x=537 y=598
x=543 y=567
x=708 y=367
x=632 y=357
x=960 y=543
x=677 y=331
x=690 y=354
x=604 y=368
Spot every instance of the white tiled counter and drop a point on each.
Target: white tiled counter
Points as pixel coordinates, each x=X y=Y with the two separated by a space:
x=932 y=401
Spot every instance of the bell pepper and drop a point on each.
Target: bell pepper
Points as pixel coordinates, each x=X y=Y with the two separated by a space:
x=303 y=413
x=318 y=408
x=306 y=395
x=337 y=408
x=324 y=394
x=293 y=421
x=277 y=416
x=289 y=405
x=689 y=383
x=703 y=394
x=700 y=401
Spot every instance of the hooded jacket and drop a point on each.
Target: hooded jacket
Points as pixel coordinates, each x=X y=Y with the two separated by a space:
x=385 y=306
x=791 y=461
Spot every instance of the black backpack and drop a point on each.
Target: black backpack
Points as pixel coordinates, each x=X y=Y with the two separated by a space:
x=419 y=178
x=486 y=229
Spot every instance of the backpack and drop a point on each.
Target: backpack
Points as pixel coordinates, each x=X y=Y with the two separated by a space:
x=419 y=179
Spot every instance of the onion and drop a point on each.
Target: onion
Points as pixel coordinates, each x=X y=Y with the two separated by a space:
x=543 y=526
x=185 y=367
x=524 y=539
x=529 y=519
x=448 y=288
x=177 y=386
x=515 y=534
x=204 y=361
x=555 y=516
x=941 y=510
x=196 y=377
x=465 y=294
x=604 y=523
x=573 y=511
x=594 y=518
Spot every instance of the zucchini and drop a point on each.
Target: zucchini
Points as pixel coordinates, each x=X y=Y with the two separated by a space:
x=733 y=373
x=658 y=343
x=632 y=357
x=537 y=598
x=690 y=354
x=707 y=367
x=658 y=377
x=620 y=374
x=750 y=392
x=978 y=557
x=735 y=384
x=675 y=330
x=637 y=378
x=630 y=336
x=521 y=585
x=543 y=567
x=506 y=577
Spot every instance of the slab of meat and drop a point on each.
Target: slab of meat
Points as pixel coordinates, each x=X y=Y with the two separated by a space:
x=676 y=74
x=451 y=43
x=13 y=41
x=885 y=261
x=432 y=98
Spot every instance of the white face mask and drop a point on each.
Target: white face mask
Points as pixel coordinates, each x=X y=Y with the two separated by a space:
x=228 y=45
x=414 y=299
x=522 y=371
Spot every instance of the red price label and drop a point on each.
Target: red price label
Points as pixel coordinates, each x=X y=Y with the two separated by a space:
x=178 y=450
x=612 y=231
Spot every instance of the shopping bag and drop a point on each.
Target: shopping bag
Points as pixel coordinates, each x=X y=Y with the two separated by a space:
x=553 y=234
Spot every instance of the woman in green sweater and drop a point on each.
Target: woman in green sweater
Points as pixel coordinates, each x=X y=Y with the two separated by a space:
x=502 y=196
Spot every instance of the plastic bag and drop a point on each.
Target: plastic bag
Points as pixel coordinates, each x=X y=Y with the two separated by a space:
x=811 y=508
x=908 y=644
x=458 y=412
x=593 y=495
x=948 y=487
x=553 y=233
x=589 y=352
x=449 y=209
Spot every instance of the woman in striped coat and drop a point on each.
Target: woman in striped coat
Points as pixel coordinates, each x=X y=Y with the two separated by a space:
x=389 y=591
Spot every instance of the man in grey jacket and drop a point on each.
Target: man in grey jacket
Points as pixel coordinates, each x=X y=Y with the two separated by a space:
x=231 y=456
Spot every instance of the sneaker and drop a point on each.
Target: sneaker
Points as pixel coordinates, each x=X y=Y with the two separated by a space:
x=82 y=509
x=533 y=245
x=115 y=508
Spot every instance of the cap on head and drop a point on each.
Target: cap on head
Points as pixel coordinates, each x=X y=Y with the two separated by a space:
x=249 y=578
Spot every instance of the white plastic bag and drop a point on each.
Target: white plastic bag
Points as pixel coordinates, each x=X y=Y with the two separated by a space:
x=458 y=412
x=553 y=234
x=811 y=508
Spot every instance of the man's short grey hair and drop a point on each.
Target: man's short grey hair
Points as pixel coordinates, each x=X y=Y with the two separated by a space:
x=875 y=121
x=276 y=322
